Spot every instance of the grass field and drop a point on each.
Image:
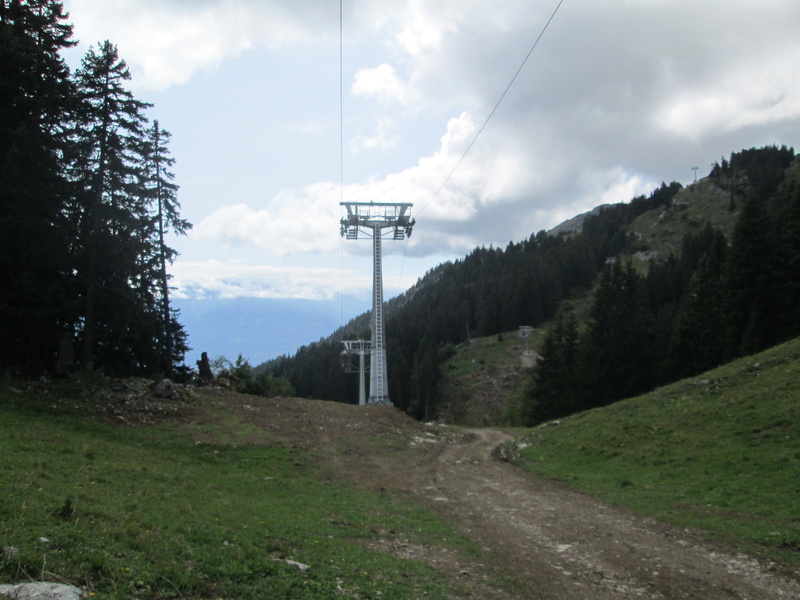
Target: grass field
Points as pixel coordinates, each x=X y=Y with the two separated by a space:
x=148 y=513
x=720 y=452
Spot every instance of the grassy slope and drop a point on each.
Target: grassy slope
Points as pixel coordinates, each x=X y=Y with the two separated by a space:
x=720 y=452
x=662 y=230
x=149 y=513
x=482 y=382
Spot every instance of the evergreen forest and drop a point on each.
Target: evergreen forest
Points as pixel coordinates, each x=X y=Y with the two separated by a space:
x=627 y=302
x=87 y=197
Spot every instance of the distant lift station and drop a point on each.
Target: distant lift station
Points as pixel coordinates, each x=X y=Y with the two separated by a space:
x=370 y=219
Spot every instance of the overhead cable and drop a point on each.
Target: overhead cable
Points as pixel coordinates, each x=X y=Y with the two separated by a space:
x=486 y=122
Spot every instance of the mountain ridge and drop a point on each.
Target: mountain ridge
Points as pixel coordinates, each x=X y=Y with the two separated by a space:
x=651 y=246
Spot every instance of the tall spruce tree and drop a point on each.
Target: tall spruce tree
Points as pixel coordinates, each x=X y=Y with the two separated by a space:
x=790 y=263
x=160 y=192
x=35 y=100
x=554 y=389
x=106 y=211
x=751 y=285
x=424 y=378
x=617 y=349
x=698 y=343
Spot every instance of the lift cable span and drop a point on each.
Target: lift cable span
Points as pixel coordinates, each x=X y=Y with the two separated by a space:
x=491 y=114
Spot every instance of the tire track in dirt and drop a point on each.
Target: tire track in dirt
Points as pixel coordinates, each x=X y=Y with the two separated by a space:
x=561 y=544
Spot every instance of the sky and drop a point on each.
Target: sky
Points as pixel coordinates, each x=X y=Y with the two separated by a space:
x=281 y=109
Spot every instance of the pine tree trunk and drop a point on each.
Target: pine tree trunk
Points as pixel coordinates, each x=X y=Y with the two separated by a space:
x=87 y=349
x=163 y=258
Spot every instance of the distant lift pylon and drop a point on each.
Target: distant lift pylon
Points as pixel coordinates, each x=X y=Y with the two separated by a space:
x=371 y=219
x=353 y=348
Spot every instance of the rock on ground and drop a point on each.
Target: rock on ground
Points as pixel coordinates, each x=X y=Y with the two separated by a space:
x=41 y=591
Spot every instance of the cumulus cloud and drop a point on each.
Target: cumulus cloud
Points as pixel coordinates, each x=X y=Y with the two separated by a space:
x=294 y=222
x=424 y=26
x=617 y=97
x=384 y=136
x=235 y=279
x=446 y=201
x=302 y=220
x=750 y=95
x=166 y=42
x=380 y=82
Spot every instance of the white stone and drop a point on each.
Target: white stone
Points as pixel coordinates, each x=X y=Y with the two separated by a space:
x=41 y=591
x=299 y=565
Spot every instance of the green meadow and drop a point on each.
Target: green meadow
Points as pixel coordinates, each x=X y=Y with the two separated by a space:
x=149 y=513
x=719 y=452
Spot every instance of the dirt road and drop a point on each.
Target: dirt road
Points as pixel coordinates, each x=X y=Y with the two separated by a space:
x=541 y=539
x=558 y=543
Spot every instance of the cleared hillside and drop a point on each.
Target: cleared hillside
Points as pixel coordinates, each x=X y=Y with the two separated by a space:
x=482 y=381
x=662 y=231
x=720 y=451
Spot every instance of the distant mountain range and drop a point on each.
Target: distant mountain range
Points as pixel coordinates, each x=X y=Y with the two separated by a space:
x=257 y=328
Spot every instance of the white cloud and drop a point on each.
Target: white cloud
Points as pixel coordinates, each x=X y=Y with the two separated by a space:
x=235 y=279
x=380 y=82
x=385 y=136
x=307 y=220
x=757 y=93
x=166 y=42
x=425 y=24
x=294 y=222
x=491 y=176
x=615 y=185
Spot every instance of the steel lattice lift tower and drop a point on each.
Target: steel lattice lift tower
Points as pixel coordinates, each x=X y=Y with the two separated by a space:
x=361 y=349
x=371 y=219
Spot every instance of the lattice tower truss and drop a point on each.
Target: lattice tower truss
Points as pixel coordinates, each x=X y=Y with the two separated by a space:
x=377 y=220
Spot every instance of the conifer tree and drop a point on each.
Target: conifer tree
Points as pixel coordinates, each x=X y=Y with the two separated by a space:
x=424 y=379
x=750 y=281
x=698 y=342
x=790 y=240
x=617 y=349
x=160 y=193
x=555 y=389
x=35 y=101
x=105 y=212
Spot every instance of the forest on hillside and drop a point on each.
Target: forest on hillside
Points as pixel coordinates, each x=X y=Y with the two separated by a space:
x=716 y=297
x=86 y=198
